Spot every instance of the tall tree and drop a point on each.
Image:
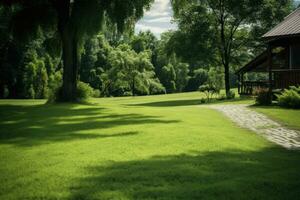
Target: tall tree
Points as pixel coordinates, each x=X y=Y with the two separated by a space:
x=72 y=20
x=231 y=21
x=130 y=70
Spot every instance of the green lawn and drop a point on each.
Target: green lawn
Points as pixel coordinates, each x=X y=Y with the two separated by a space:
x=157 y=147
x=287 y=117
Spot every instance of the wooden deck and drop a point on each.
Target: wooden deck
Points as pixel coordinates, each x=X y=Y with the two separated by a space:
x=281 y=79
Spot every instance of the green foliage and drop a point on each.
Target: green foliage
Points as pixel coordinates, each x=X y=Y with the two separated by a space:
x=182 y=76
x=290 y=98
x=71 y=22
x=156 y=87
x=30 y=93
x=35 y=78
x=231 y=94
x=209 y=91
x=222 y=97
x=215 y=78
x=200 y=77
x=222 y=33
x=263 y=97
x=168 y=78
x=96 y=93
x=130 y=71
x=84 y=91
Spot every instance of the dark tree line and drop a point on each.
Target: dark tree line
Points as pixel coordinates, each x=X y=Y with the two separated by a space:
x=48 y=45
x=71 y=21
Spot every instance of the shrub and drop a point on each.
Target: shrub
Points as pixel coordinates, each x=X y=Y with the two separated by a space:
x=263 y=97
x=230 y=95
x=31 y=92
x=84 y=91
x=202 y=100
x=222 y=97
x=127 y=94
x=290 y=98
x=96 y=93
x=156 y=87
x=54 y=94
x=209 y=91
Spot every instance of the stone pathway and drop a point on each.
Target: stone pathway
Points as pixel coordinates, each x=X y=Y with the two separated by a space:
x=261 y=124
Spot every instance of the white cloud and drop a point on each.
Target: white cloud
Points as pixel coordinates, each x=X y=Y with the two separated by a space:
x=157 y=19
x=160 y=19
x=154 y=29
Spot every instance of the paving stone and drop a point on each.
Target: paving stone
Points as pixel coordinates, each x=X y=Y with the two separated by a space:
x=261 y=124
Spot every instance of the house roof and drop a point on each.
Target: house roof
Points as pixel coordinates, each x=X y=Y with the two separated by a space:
x=258 y=64
x=290 y=26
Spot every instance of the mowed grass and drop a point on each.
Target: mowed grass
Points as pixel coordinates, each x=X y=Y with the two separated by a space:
x=157 y=147
x=287 y=117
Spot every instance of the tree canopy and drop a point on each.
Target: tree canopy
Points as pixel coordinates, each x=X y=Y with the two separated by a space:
x=71 y=21
x=52 y=45
x=225 y=27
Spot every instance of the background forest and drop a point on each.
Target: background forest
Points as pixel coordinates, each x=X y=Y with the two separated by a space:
x=211 y=43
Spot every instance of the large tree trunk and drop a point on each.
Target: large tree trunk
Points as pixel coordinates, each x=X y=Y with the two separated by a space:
x=1 y=90
x=70 y=65
x=225 y=55
x=69 y=41
x=227 y=80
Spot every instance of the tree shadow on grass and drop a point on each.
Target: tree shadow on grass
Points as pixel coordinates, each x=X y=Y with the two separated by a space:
x=33 y=125
x=186 y=102
x=266 y=174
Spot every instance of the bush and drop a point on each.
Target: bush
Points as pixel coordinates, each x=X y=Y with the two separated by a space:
x=290 y=98
x=127 y=94
x=264 y=97
x=84 y=91
x=222 y=97
x=54 y=94
x=231 y=95
x=96 y=93
x=209 y=91
x=202 y=100
x=156 y=87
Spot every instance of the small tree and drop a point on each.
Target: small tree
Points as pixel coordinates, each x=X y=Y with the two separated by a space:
x=209 y=91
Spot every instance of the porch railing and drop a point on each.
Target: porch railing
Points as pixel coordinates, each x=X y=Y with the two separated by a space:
x=248 y=87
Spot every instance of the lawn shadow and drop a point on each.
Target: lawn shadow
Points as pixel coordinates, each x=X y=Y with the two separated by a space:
x=34 y=125
x=267 y=174
x=187 y=102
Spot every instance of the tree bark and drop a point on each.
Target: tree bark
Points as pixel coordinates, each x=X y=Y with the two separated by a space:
x=1 y=90
x=227 y=80
x=225 y=54
x=69 y=41
x=70 y=65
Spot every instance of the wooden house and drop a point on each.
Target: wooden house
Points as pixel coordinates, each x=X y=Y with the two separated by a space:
x=280 y=63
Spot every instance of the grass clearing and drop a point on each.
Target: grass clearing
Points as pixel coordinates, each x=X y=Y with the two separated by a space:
x=155 y=147
x=287 y=117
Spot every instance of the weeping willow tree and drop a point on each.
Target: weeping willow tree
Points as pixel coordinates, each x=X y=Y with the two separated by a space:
x=72 y=20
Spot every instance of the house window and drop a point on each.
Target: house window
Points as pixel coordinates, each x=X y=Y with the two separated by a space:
x=279 y=58
x=295 y=57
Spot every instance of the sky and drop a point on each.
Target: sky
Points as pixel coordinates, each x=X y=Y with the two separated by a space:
x=157 y=19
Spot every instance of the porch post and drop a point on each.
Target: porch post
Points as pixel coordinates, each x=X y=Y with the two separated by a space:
x=270 y=66
x=239 y=83
x=242 y=83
